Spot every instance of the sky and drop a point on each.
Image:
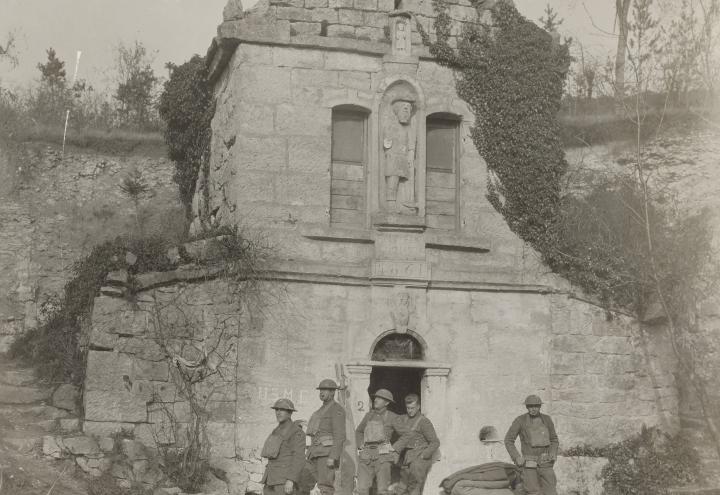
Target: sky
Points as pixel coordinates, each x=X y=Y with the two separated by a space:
x=174 y=30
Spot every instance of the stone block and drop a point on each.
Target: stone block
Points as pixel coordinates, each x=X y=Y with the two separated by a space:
x=248 y=118
x=350 y=16
x=114 y=406
x=150 y=370
x=365 y=4
x=355 y=80
x=69 y=424
x=341 y=31
x=293 y=14
x=309 y=154
x=140 y=348
x=133 y=449
x=352 y=61
x=94 y=467
x=106 y=444
x=105 y=428
x=292 y=120
x=265 y=84
x=222 y=411
x=260 y=153
x=108 y=371
x=298 y=57
x=324 y=15
x=82 y=445
x=340 y=4
x=377 y=34
x=573 y=343
x=567 y=364
x=312 y=4
x=375 y=19
x=66 y=397
x=51 y=447
x=386 y=5
x=253 y=186
x=314 y=78
x=305 y=28
x=10 y=394
x=114 y=315
x=613 y=345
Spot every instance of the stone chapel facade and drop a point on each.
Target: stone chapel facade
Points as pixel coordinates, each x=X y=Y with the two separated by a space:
x=339 y=137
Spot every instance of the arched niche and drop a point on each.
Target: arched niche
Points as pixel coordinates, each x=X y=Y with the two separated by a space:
x=398 y=347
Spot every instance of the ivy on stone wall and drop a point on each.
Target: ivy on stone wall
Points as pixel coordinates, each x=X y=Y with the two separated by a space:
x=511 y=73
x=187 y=107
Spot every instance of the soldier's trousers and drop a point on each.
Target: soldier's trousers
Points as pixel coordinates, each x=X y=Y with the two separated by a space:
x=321 y=474
x=374 y=469
x=414 y=475
x=539 y=481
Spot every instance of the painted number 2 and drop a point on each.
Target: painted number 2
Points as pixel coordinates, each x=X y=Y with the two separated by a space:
x=360 y=406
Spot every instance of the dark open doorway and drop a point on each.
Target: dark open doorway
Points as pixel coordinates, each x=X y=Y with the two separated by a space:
x=399 y=381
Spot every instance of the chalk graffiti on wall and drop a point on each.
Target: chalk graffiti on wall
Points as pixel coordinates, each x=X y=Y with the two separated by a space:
x=299 y=396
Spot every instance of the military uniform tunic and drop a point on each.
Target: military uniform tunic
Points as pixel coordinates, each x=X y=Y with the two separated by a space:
x=418 y=442
x=288 y=462
x=326 y=430
x=538 y=442
x=376 y=457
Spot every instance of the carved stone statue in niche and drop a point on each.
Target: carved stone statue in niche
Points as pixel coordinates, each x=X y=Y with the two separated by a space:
x=401 y=306
x=399 y=163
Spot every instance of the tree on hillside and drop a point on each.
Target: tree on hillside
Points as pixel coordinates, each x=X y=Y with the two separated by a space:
x=550 y=21
x=53 y=70
x=136 y=83
x=679 y=54
x=709 y=45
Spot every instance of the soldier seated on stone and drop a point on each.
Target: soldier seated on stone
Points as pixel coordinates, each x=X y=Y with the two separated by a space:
x=418 y=443
x=326 y=430
x=285 y=451
x=376 y=453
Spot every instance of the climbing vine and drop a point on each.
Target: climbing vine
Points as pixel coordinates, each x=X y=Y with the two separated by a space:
x=511 y=73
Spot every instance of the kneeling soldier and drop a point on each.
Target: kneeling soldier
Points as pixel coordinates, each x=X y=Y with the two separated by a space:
x=326 y=430
x=285 y=451
x=376 y=453
x=420 y=443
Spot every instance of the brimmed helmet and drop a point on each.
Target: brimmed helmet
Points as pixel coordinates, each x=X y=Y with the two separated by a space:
x=284 y=404
x=533 y=400
x=328 y=384
x=384 y=394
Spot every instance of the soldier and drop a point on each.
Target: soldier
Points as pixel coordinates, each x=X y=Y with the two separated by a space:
x=285 y=451
x=420 y=443
x=326 y=430
x=539 y=446
x=375 y=451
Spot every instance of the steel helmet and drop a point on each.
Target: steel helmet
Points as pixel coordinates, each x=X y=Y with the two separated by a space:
x=533 y=400
x=384 y=394
x=327 y=384
x=284 y=404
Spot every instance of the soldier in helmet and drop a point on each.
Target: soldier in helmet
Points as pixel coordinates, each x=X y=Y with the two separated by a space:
x=285 y=451
x=376 y=453
x=538 y=448
x=326 y=430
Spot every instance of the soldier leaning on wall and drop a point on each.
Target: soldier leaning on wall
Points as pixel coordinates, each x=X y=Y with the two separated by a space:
x=419 y=446
x=538 y=448
x=285 y=451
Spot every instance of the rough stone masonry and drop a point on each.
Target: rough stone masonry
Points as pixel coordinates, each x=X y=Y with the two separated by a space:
x=339 y=138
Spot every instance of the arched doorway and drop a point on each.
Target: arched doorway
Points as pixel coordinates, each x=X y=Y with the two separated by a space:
x=397 y=349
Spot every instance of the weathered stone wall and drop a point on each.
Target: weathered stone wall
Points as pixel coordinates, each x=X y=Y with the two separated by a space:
x=53 y=211
x=600 y=378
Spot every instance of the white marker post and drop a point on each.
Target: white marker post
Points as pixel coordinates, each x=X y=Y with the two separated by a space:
x=67 y=112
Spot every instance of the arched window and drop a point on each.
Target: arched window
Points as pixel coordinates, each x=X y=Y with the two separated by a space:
x=397 y=347
x=442 y=158
x=349 y=164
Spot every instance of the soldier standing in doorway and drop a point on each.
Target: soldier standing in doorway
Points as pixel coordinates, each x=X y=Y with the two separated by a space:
x=420 y=444
x=326 y=430
x=285 y=451
x=376 y=453
x=538 y=448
